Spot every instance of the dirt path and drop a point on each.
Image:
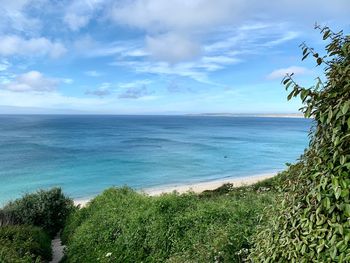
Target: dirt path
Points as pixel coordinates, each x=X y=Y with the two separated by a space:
x=57 y=250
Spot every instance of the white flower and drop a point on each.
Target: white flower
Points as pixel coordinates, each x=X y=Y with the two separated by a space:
x=109 y=254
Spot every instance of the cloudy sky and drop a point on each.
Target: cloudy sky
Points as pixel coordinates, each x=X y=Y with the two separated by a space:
x=158 y=56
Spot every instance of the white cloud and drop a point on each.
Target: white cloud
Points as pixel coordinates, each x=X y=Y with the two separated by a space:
x=136 y=52
x=14 y=45
x=179 y=15
x=163 y=68
x=134 y=84
x=93 y=73
x=174 y=14
x=13 y=16
x=89 y=47
x=76 y=22
x=67 y=80
x=135 y=93
x=128 y=90
x=280 y=73
x=169 y=23
x=172 y=47
x=229 y=46
x=79 y=12
x=220 y=59
x=53 y=100
x=32 y=81
x=197 y=69
x=289 y=35
x=191 y=16
x=102 y=91
x=4 y=65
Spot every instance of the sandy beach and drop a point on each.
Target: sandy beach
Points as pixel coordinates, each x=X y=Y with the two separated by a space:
x=196 y=187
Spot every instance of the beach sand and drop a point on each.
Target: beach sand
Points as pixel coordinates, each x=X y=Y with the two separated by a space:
x=196 y=187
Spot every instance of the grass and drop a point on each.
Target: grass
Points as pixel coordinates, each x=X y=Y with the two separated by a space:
x=121 y=225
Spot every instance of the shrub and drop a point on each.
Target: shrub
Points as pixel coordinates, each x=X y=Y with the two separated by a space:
x=74 y=220
x=46 y=209
x=124 y=226
x=6 y=218
x=312 y=222
x=24 y=244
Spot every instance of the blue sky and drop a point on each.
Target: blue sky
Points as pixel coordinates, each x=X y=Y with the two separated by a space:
x=157 y=56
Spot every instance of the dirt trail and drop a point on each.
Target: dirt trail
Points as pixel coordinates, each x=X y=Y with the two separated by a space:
x=57 y=250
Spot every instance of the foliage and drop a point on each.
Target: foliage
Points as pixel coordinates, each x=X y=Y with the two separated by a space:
x=46 y=209
x=6 y=218
x=24 y=244
x=124 y=226
x=312 y=223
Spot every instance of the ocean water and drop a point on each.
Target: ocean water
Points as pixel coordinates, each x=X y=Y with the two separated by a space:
x=86 y=154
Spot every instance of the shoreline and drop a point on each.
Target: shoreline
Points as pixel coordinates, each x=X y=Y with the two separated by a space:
x=196 y=187
x=296 y=116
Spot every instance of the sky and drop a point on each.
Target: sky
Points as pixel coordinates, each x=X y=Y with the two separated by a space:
x=158 y=56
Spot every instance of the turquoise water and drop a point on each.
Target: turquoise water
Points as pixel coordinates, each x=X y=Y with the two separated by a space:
x=86 y=154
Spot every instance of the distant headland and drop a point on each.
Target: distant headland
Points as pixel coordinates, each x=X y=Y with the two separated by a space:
x=267 y=115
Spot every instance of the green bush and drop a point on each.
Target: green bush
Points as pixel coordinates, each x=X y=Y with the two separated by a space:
x=6 y=218
x=46 y=209
x=124 y=226
x=24 y=244
x=312 y=221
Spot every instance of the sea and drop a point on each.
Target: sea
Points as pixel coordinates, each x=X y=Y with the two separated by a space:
x=85 y=154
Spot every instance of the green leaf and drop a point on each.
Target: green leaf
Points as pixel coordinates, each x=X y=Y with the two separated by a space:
x=286 y=81
x=335 y=182
x=327 y=203
x=344 y=193
x=330 y=115
x=305 y=56
x=326 y=34
x=319 y=61
x=345 y=107
x=304 y=94
x=320 y=248
x=342 y=160
x=337 y=193
x=288 y=84
x=334 y=252
x=347 y=210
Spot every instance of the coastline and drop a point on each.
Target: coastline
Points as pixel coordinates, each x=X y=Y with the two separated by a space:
x=291 y=115
x=196 y=187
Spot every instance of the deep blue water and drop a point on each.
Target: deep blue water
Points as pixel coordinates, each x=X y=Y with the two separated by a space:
x=86 y=154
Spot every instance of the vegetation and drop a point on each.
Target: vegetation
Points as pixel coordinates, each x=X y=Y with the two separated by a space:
x=46 y=209
x=24 y=244
x=28 y=224
x=124 y=226
x=312 y=222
